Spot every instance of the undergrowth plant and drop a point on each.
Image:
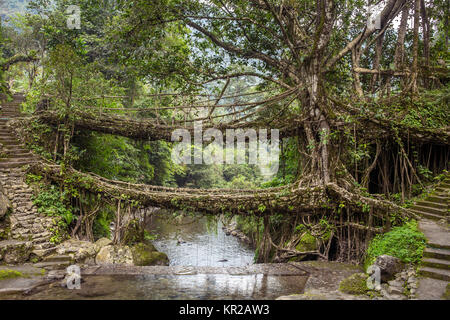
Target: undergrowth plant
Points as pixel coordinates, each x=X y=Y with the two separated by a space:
x=405 y=242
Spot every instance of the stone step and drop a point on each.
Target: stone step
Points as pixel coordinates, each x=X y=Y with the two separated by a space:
x=4 y=140
x=20 y=154
x=445 y=185
x=41 y=239
x=44 y=246
x=55 y=265
x=15 y=150
x=442 y=212
x=25 y=218
x=11 y=142
x=436 y=263
x=39 y=252
x=438 y=245
x=17 y=159
x=430 y=216
x=435 y=273
x=14 y=164
x=442 y=192
x=437 y=253
x=437 y=205
x=436 y=198
x=57 y=258
x=10 y=107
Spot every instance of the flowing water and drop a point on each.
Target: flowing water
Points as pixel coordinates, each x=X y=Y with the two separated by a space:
x=205 y=263
x=199 y=242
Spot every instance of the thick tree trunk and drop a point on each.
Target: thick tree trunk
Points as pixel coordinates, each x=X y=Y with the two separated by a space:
x=414 y=71
x=376 y=63
x=426 y=39
x=320 y=129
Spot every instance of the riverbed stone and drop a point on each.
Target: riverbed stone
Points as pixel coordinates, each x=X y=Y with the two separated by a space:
x=114 y=254
x=389 y=266
x=146 y=255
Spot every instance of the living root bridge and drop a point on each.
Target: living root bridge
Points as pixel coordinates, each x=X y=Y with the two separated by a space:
x=287 y=199
x=149 y=129
x=213 y=201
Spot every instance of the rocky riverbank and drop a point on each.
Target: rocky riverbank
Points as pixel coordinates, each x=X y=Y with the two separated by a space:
x=398 y=282
x=232 y=230
x=102 y=252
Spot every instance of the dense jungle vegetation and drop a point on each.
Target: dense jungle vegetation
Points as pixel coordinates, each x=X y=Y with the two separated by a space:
x=361 y=103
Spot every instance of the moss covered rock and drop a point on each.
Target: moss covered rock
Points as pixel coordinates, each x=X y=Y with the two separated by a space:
x=307 y=243
x=355 y=284
x=146 y=255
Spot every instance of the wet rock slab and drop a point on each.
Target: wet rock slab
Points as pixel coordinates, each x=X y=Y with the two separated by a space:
x=323 y=281
x=272 y=269
x=31 y=278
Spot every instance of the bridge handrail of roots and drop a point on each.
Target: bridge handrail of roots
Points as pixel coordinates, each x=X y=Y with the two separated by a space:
x=157 y=129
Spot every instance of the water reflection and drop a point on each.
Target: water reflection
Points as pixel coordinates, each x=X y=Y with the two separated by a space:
x=168 y=287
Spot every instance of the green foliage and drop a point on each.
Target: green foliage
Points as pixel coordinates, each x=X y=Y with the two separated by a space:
x=405 y=242
x=33 y=178
x=59 y=231
x=51 y=202
x=307 y=243
x=101 y=225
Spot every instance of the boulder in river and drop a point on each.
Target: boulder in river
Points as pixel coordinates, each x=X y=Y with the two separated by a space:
x=147 y=255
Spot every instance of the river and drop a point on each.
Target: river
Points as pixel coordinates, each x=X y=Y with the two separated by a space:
x=205 y=264
x=198 y=241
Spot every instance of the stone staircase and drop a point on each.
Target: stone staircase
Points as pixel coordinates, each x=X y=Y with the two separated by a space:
x=434 y=211
x=26 y=223
x=436 y=205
